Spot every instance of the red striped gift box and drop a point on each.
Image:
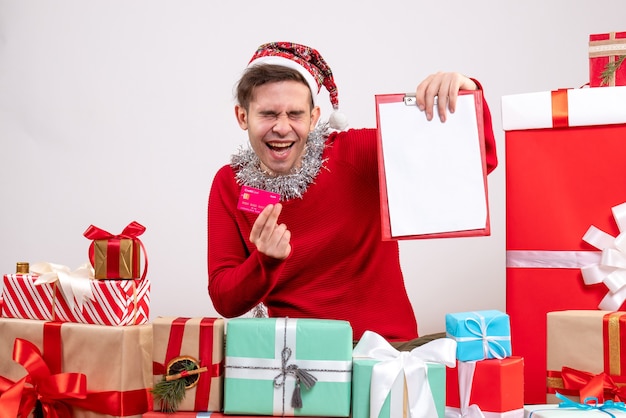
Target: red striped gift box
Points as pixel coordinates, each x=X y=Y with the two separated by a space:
x=115 y=302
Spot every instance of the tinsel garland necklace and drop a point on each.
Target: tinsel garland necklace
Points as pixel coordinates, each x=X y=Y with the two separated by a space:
x=249 y=172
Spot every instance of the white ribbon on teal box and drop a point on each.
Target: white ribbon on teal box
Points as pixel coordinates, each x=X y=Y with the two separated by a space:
x=269 y=360
x=388 y=383
x=480 y=335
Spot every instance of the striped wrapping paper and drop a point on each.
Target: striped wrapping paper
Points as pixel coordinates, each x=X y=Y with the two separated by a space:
x=115 y=302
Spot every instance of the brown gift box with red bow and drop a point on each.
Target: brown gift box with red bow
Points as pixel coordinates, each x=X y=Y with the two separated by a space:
x=200 y=340
x=117 y=256
x=114 y=365
x=584 y=357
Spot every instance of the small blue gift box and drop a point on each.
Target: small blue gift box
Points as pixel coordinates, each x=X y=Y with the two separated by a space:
x=480 y=335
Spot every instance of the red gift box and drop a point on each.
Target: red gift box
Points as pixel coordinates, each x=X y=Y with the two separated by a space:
x=559 y=182
x=497 y=385
x=114 y=302
x=78 y=370
x=200 y=340
x=117 y=256
x=607 y=49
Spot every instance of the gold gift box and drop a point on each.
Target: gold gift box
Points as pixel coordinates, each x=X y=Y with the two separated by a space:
x=128 y=265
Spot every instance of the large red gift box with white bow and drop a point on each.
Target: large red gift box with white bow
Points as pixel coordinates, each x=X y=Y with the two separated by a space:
x=565 y=159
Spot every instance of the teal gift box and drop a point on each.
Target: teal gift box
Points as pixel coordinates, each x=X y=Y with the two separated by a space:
x=288 y=367
x=387 y=383
x=396 y=399
x=480 y=335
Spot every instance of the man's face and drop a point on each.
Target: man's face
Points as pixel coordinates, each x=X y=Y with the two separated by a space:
x=278 y=122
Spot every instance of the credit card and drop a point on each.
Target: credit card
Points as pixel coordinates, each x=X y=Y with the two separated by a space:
x=254 y=200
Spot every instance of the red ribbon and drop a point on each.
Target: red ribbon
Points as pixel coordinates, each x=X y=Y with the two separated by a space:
x=132 y=231
x=10 y=398
x=560 y=118
x=601 y=385
x=205 y=352
x=54 y=391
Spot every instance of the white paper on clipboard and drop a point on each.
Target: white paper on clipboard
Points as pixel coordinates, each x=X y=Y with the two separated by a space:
x=433 y=174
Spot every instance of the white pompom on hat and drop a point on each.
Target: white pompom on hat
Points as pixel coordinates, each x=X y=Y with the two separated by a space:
x=308 y=62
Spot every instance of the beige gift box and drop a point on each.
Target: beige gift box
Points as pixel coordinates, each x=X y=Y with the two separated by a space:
x=587 y=341
x=201 y=339
x=114 y=359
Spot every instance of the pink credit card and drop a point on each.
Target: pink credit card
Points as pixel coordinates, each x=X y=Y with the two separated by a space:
x=254 y=200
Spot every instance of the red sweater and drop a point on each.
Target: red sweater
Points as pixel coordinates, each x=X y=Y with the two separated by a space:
x=339 y=267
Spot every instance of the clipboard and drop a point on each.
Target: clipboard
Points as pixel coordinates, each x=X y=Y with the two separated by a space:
x=432 y=175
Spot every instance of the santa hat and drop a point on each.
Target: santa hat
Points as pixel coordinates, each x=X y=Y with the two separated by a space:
x=308 y=62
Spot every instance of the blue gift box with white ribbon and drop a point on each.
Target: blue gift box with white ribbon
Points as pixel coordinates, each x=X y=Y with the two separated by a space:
x=480 y=335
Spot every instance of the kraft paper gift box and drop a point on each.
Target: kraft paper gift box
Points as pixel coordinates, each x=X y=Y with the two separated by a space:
x=564 y=173
x=480 y=335
x=605 y=52
x=495 y=386
x=198 y=340
x=71 y=299
x=271 y=363
x=584 y=355
x=115 y=364
x=387 y=383
x=117 y=256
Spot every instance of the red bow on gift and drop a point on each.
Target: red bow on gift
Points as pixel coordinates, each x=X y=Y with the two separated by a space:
x=601 y=386
x=132 y=231
x=52 y=390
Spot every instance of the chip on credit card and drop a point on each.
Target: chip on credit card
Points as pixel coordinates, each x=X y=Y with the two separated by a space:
x=254 y=200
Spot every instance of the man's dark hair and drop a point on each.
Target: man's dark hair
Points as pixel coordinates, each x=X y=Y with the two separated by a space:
x=260 y=74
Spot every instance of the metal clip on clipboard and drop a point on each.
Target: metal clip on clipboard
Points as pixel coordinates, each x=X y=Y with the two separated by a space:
x=411 y=100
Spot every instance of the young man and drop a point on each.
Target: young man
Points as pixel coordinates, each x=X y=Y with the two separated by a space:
x=317 y=253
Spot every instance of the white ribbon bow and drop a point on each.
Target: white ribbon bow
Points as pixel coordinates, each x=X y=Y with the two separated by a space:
x=466 y=380
x=611 y=269
x=75 y=285
x=410 y=363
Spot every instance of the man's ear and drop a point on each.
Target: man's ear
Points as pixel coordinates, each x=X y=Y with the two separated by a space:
x=242 y=117
x=315 y=116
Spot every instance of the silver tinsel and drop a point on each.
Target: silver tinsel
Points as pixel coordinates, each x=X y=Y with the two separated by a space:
x=249 y=172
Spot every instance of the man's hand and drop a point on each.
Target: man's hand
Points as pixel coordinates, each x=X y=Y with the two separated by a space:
x=269 y=237
x=445 y=86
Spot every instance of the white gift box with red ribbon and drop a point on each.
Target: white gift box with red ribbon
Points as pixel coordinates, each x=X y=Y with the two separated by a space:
x=564 y=108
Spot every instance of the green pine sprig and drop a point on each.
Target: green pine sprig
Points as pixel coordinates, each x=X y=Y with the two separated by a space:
x=610 y=69
x=170 y=393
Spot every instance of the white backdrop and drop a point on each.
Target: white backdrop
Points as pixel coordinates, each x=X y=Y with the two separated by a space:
x=113 y=111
